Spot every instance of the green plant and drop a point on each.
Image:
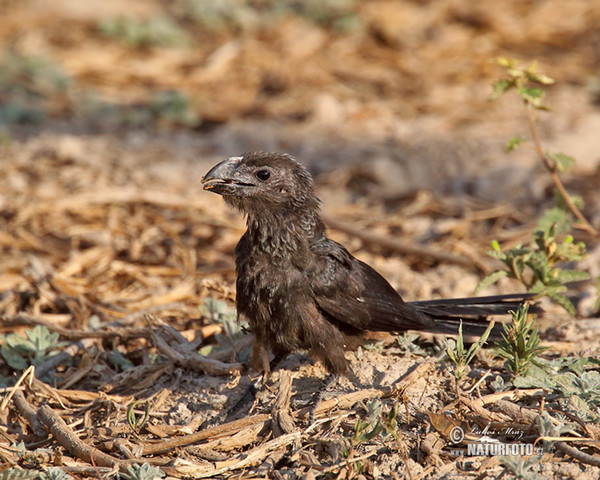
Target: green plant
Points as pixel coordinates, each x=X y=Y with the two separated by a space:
x=582 y=393
x=219 y=14
x=520 y=344
x=219 y=312
x=243 y=15
x=461 y=357
x=577 y=386
x=160 y=31
x=537 y=265
x=371 y=347
x=174 y=108
x=135 y=423
x=38 y=346
x=338 y=14
x=19 y=474
x=406 y=343
x=27 y=82
x=549 y=428
x=142 y=472
x=520 y=467
x=57 y=473
x=377 y=422
x=527 y=83
x=119 y=361
x=499 y=385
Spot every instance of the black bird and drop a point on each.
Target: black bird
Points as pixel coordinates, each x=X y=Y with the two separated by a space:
x=301 y=291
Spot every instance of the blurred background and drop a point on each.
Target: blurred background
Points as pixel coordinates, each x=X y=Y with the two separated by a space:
x=396 y=88
x=108 y=106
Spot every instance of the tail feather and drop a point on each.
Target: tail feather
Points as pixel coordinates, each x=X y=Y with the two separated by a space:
x=473 y=312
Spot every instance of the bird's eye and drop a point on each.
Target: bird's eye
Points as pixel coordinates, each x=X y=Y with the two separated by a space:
x=263 y=175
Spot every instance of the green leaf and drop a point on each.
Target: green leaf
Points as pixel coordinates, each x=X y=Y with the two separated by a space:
x=580 y=365
x=558 y=217
x=450 y=349
x=57 y=473
x=143 y=472
x=377 y=429
x=479 y=343
x=490 y=279
x=505 y=62
x=538 y=262
x=567 y=383
x=514 y=143
x=18 y=474
x=137 y=424
x=531 y=94
x=577 y=200
x=563 y=162
x=533 y=382
x=566 y=276
x=206 y=350
x=547 y=290
x=117 y=359
x=535 y=77
x=500 y=87
x=581 y=408
x=42 y=339
x=13 y=358
x=563 y=301
x=18 y=343
x=498 y=385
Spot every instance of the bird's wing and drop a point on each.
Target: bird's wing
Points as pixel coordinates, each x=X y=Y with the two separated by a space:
x=351 y=293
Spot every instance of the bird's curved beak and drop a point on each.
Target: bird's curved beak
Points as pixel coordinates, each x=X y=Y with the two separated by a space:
x=224 y=178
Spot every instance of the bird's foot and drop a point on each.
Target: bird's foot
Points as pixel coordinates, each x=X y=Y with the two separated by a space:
x=330 y=381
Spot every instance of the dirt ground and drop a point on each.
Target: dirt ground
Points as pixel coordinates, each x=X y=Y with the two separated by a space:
x=109 y=118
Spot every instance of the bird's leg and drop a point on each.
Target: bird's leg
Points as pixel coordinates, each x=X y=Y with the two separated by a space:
x=331 y=380
x=260 y=359
x=261 y=375
x=256 y=382
x=248 y=398
x=277 y=359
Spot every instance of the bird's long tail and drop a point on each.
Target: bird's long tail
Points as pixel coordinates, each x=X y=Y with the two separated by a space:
x=474 y=312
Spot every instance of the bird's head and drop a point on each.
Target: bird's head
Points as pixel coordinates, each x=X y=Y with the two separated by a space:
x=262 y=180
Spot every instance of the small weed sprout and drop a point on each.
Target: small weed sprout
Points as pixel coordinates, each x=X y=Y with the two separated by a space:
x=520 y=467
x=461 y=357
x=520 y=344
x=377 y=422
x=581 y=393
x=39 y=346
x=136 y=423
x=57 y=473
x=20 y=474
x=219 y=312
x=143 y=472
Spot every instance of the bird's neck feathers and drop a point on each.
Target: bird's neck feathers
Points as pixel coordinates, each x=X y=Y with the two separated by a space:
x=288 y=229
